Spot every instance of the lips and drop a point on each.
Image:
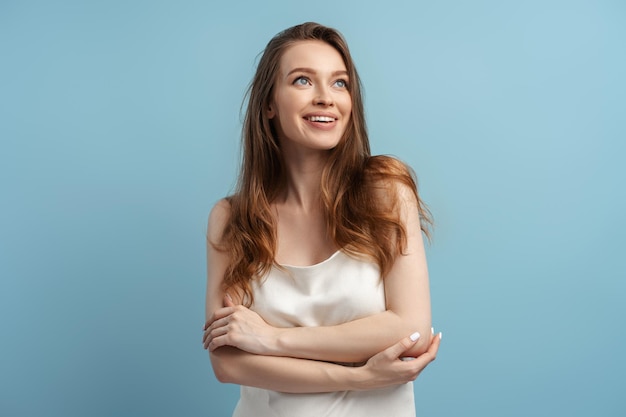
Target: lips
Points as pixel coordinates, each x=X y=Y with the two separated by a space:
x=323 y=119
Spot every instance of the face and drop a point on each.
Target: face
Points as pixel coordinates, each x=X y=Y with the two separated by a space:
x=311 y=106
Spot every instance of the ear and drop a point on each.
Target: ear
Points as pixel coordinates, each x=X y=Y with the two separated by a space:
x=270 y=111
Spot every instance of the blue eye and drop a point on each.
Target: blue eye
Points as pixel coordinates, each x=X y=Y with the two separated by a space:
x=341 y=83
x=301 y=81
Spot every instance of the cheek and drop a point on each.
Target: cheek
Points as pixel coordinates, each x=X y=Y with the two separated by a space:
x=346 y=105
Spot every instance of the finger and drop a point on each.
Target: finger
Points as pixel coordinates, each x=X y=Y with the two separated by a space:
x=210 y=343
x=219 y=314
x=434 y=346
x=394 y=351
x=218 y=326
x=220 y=340
x=209 y=334
x=431 y=353
x=216 y=343
x=206 y=338
x=211 y=319
x=215 y=332
x=209 y=337
x=427 y=357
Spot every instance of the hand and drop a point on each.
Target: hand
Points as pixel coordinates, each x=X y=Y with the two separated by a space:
x=240 y=327
x=386 y=368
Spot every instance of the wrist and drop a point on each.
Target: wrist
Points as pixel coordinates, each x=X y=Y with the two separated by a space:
x=282 y=343
x=345 y=378
x=358 y=378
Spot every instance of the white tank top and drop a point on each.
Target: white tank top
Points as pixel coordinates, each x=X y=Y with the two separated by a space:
x=334 y=291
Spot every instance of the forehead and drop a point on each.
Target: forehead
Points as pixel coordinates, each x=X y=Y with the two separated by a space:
x=316 y=55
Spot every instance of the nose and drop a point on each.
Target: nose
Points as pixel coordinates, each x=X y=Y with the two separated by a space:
x=323 y=96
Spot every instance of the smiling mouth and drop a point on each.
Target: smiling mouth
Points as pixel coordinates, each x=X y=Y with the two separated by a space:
x=322 y=119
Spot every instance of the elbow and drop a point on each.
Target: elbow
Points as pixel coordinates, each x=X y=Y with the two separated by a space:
x=421 y=346
x=222 y=366
x=221 y=374
x=423 y=343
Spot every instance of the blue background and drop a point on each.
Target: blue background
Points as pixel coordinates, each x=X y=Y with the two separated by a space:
x=119 y=127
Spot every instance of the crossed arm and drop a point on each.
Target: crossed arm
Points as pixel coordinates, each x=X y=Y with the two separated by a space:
x=246 y=350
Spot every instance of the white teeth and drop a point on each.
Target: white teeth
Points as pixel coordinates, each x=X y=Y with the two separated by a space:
x=321 y=119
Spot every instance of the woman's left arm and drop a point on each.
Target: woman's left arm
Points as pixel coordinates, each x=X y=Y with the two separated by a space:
x=407 y=297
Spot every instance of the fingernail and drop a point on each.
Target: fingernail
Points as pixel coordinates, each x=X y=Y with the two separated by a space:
x=432 y=331
x=440 y=335
x=414 y=336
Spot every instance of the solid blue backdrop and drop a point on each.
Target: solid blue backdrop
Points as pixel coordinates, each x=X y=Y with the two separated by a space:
x=119 y=129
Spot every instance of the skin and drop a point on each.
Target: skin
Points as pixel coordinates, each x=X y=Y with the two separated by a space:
x=313 y=81
x=244 y=348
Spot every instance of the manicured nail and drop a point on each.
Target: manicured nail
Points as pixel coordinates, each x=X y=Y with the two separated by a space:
x=440 y=335
x=432 y=331
x=414 y=336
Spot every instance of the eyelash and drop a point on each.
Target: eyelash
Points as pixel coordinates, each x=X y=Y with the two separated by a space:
x=302 y=77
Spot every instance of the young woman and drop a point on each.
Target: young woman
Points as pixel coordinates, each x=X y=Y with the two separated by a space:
x=317 y=296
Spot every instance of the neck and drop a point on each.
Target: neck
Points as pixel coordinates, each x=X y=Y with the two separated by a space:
x=304 y=176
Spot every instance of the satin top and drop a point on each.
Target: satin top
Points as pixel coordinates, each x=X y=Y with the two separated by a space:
x=335 y=291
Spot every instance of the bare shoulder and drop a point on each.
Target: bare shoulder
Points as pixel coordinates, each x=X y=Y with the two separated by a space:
x=218 y=218
x=392 y=181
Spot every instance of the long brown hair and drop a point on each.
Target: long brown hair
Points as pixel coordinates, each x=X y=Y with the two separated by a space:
x=358 y=219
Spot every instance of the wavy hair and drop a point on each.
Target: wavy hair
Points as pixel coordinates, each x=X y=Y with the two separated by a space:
x=359 y=219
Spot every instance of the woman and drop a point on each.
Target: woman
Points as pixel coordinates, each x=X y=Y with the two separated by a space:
x=316 y=267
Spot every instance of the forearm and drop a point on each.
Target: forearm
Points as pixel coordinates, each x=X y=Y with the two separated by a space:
x=284 y=374
x=354 y=341
x=407 y=301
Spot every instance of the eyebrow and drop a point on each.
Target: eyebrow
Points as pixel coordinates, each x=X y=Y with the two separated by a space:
x=312 y=71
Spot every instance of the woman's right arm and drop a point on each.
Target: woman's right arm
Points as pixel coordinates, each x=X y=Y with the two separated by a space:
x=285 y=374
x=295 y=375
